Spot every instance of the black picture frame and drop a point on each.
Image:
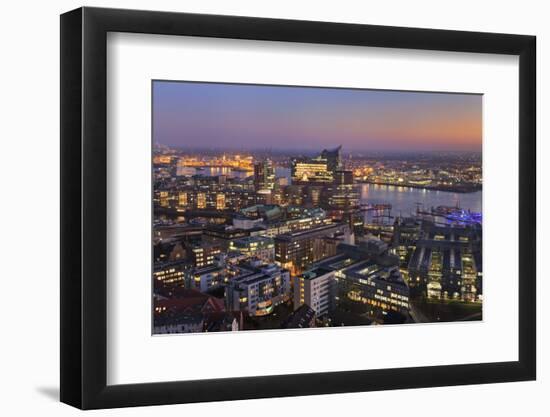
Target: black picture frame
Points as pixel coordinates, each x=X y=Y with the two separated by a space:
x=84 y=207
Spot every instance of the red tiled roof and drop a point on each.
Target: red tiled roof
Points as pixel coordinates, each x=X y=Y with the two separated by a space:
x=191 y=301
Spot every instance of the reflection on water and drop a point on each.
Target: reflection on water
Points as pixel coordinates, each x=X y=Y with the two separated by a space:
x=405 y=200
x=214 y=172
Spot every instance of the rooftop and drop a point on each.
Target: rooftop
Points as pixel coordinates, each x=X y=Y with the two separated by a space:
x=208 y=269
x=252 y=239
x=301 y=318
x=304 y=233
x=316 y=272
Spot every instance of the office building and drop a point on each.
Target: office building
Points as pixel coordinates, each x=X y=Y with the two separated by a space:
x=206 y=278
x=380 y=288
x=255 y=246
x=296 y=251
x=446 y=262
x=222 y=235
x=315 y=288
x=202 y=254
x=405 y=235
x=264 y=175
x=257 y=289
x=368 y=275
x=170 y=273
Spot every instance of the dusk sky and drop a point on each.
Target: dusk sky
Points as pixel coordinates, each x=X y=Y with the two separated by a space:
x=237 y=116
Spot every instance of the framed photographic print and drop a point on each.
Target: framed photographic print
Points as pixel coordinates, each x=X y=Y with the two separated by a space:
x=258 y=208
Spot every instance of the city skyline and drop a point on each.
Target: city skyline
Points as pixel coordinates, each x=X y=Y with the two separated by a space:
x=301 y=119
x=268 y=216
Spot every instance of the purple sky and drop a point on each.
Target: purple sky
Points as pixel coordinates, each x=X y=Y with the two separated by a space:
x=238 y=116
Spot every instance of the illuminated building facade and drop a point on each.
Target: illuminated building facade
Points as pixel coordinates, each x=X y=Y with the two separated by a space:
x=380 y=288
x=230 y=229
x=308 y=220
x=315 y=288
x=264 y=175
x=258 y=289
x=204 y=279
x=446 y=262
x=341 y=198
x=202 y=254
x=406 y=232
x=294 y=195
x=297 y=251
x=170 y=273
x=255 y=246
x=310 y=171
x=205 y=193
x=368 y=274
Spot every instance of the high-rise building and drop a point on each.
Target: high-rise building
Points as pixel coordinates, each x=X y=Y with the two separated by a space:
x=343 y=177
x=406 y=233
x=264 y=175
x=341 y=198
x=333 y=158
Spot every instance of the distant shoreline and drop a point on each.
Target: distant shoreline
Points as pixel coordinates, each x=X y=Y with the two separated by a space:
x=461 y=190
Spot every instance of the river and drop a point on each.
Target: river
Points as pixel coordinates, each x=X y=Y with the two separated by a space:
x=404 y=199
x=214 y=172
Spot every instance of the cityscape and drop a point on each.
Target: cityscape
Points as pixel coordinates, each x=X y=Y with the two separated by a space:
x=296 y=207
